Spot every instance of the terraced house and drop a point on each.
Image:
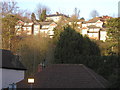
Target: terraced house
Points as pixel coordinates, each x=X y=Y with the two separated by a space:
x=94 y=28
x=42 y=28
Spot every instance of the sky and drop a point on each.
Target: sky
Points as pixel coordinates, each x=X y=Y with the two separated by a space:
x=104 y=7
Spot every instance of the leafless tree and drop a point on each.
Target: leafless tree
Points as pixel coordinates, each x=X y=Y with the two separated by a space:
x=74 y=18
x=94 y=13
x=77 y=12
x=9 y=7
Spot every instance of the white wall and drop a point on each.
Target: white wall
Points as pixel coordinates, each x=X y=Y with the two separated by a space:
x=10 y=76
x=103 y=35
x=54 y=18
x=84 y=31
x=84 y=25
x=99 y=23
x=48 y=29
x=94 y=29
x=36 y=29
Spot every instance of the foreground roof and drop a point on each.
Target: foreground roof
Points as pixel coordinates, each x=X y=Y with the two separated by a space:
x=10 y=61
x=66 y=76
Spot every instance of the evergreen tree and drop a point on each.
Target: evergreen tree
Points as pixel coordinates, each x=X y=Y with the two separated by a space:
x=113 y=32
x=43 y=15
x=71 y=45
x=33 y=17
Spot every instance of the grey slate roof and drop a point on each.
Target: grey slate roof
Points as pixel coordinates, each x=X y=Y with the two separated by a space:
x=10 y=61
x=66 y=76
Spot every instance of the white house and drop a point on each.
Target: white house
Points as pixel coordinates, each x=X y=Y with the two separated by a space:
x=27 y=28
x=103 y=34
x=11 y=70
x=18 y=27
x=51 y=28
x=55 y=17
x=94 y=29
x=24 y=28
x=36 y=28
x=42 y=28
x=47 y=28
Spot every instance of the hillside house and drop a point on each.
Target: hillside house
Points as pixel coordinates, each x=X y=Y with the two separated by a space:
x=43 y=28
x=94 y=29
x=55 y=17
x=24 y=28
x=46 y=28
x=28 y=28
x=18 y=27
x=12 y=69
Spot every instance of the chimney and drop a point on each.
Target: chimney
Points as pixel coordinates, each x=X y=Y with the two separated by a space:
x=41 y=66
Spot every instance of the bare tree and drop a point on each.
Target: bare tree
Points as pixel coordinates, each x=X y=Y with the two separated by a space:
x=74 y=18
x=94 y=13
x=9 y=7
x=77 y=12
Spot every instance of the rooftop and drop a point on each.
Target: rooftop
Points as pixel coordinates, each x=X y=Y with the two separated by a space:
x=10 y=61
x=66 y=76
x=57 y=14
x=95 y=19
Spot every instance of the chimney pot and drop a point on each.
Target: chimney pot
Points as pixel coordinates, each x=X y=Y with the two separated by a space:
x=40 y=68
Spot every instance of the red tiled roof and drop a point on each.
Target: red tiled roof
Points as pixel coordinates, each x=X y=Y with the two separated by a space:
x=66 y=76
x=95 y=19
x=84 y=28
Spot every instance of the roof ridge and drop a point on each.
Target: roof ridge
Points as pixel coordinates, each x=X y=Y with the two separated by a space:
x=94 y=76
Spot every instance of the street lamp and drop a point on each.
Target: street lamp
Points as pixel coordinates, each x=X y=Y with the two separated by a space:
x=31 y=82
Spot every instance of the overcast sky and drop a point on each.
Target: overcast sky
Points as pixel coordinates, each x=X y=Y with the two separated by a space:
x=104 y=7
